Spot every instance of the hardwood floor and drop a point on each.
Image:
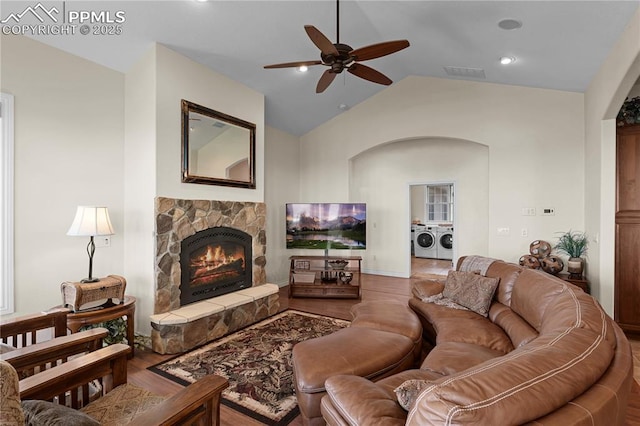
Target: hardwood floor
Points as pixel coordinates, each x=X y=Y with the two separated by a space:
x=374 y=287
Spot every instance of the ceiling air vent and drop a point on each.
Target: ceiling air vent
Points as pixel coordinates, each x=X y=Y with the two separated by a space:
x=465 y=72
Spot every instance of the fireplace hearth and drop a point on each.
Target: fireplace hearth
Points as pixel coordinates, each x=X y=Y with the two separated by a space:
x=213 y=263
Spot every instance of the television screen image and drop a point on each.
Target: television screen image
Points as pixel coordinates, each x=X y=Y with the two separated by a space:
x=324 y=226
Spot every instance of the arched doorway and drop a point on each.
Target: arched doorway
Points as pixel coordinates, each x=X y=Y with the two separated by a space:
x=382 y=176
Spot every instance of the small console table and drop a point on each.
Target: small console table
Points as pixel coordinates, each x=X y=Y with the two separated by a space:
x=76 y=320
x=312 y=276
x=577 y=281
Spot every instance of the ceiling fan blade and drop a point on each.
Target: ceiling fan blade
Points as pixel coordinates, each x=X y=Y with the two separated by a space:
x=369 y=73
x=321 y=41
x=380 y=49
x=325 y=80
x=293 y=64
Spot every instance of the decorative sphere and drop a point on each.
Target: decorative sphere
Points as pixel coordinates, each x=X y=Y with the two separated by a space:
x=345 y=277
x=529 y=261
x=552 y=264
x=540 y=249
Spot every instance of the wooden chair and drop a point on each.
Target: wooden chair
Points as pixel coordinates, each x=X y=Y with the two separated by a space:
x=23 y=331
x=198 y=403
x=35 y=358
x=28 y=356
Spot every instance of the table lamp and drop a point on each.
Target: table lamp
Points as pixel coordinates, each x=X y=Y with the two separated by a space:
x=91 y=221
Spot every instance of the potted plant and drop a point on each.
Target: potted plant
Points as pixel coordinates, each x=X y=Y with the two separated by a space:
x=574 y=245
x=629 y=112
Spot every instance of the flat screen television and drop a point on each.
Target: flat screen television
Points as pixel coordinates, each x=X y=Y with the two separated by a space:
x=324 y=226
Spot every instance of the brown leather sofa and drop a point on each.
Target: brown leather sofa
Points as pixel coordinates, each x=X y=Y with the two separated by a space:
x=384 y=338
x=546 y=354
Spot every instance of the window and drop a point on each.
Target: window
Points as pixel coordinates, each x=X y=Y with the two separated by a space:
x=440 y=203
x=6 y=208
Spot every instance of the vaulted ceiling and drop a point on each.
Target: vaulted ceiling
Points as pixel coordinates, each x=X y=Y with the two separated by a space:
x=560 y=45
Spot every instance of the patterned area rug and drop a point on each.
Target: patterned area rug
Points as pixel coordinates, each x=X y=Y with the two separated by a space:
x=257 y=362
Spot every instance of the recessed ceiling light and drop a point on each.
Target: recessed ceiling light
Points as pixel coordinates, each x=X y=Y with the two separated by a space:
x=506 y=60
x=303 y=68
x=510 y=24
x=343 y=107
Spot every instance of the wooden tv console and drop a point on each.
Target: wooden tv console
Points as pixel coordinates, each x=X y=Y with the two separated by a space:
x=306 y=275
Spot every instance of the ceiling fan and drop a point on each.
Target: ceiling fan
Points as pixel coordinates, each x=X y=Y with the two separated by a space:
x=339 y=57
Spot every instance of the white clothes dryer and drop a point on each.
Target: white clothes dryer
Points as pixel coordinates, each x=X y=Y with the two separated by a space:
x=425 y=242
x=444 y=235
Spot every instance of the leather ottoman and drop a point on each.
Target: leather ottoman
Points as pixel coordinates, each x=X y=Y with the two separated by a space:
x=371 y=347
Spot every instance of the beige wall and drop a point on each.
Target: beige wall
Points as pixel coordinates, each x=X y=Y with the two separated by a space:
x=282 y=185
x=69 y=134
x=140 y=184
x=603 y=100
x=155 y=88
x=383 y=175
x=536 y=155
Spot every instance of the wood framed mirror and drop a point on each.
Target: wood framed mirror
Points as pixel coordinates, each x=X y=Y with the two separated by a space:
x=217 y=149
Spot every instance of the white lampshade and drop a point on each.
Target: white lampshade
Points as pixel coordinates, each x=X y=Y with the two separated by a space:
x=91 y=221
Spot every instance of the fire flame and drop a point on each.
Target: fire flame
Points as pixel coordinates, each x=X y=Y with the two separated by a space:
x=215 y=257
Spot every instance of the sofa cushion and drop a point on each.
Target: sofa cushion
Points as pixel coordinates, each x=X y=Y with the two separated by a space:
x=477 y=331
x=518 y=330
x=426 y=288
x=122 y=404
x=362 y=401
x=507 y=272
x=470 y=290
x=527 y=289
x=387 y=316
x=454 y=325
x=45 y=413
x=452 y=357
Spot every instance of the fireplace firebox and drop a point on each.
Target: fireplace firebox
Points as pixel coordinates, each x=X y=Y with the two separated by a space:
x=214 y=262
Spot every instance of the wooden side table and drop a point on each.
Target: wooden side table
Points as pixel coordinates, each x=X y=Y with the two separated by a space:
x=76 y=320
x=578 y=281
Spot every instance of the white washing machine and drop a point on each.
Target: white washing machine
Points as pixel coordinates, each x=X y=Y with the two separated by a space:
x=425 y=242
x=444 y=246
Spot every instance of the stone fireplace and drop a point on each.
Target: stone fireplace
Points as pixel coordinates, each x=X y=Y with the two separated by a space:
x=217 y=248
x=178 y=220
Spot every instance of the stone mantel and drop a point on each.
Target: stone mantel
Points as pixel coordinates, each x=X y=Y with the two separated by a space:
x=177 y=219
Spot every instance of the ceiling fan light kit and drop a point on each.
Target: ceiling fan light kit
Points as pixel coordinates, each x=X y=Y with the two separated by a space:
x=339 y=57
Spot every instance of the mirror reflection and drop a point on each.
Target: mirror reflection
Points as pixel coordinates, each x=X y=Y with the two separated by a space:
x=217 y=148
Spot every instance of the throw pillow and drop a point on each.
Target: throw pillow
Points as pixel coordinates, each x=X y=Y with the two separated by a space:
x=408 y=392
x=10 y=411
x=45 y=413
x=4 y=348
x=471 y=290
x=439 y=299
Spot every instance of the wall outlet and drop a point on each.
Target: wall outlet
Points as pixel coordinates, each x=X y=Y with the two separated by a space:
x=102 y=241
x=505 y=232
x=548 y=211
x=528 y=211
